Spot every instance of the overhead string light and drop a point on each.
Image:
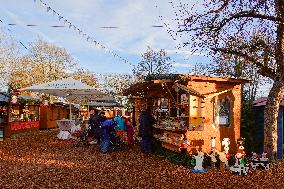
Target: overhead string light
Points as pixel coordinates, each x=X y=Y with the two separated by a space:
x=88 y=38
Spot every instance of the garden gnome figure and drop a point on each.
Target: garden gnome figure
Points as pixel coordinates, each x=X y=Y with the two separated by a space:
x=199 y=160
x=241 y=166
x=239 y=156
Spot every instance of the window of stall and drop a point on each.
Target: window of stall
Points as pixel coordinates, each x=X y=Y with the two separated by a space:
x=222 y=112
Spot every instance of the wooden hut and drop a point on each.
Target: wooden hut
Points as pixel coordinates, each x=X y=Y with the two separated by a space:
x=50 y=113
x=24 y=115
x=108 y=104
x=200 y=110
x=259 y=105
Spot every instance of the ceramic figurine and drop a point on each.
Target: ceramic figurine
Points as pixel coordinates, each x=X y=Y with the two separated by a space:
x=199 y=160
x=226 y=143
x=213 y=144
x=259 y=162
x=240 y=166
x=213 y=159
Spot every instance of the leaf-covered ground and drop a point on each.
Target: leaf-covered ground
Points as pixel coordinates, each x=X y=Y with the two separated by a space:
x=40 y=160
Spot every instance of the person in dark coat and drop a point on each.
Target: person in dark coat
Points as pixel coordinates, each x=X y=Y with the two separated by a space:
x=107 y=126
x=95 y=122
x=146 y=121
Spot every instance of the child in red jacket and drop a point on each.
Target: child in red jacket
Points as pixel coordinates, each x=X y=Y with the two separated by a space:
x=129 y=131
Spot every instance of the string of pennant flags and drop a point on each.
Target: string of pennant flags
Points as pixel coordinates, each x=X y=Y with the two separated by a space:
x=62 y=26
x=87 y=37
x=13 y=35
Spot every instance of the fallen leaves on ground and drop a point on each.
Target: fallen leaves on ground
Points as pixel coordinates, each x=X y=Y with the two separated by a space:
x=39 y=160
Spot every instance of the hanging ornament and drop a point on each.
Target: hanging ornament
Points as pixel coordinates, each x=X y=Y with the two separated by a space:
x=14 y=99
x=45 y=103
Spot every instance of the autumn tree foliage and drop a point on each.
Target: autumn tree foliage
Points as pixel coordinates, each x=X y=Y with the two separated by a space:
x=85 y=75
x=53 y=62
x=43 y=62
x=9 y=57
x=252 y=30
x=152 y=62
x=114 y=84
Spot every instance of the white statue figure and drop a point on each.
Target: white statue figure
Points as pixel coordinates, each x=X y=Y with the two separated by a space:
x=199 y=160
x=226 y=143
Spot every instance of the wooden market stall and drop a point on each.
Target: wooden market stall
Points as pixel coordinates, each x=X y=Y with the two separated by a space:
x=109 y=106
x=192 y=112
x=258 y=134
x=3 y=114
x=50 y=113
x=24 y=115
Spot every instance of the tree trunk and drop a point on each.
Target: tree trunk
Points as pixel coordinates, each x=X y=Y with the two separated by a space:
x=270 y=118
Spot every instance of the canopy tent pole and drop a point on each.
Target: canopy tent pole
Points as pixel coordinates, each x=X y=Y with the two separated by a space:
x=88 y=109
x=70 y=111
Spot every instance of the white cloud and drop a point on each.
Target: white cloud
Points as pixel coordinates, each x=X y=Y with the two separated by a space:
x=181 y=65
x=133 y=17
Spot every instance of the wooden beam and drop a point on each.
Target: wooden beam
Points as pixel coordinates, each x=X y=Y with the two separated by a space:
x=216 y=94
x=162 y=81
x=189 y=90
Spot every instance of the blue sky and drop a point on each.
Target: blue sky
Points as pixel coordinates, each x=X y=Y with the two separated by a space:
x=133 y=18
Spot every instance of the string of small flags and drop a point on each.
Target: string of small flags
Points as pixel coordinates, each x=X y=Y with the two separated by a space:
x=13 y=35
x=62 y=26
x=87 y=37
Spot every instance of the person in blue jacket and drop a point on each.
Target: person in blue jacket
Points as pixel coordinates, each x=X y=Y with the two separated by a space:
x=120 y=128
x=107 y=126
x=146 y=121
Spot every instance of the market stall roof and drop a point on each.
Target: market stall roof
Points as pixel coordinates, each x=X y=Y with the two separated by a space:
x=168 y=80
x=69 y=88
x=188 y=90
x=106 y=101
x=174 y=77
x=105 y=104
x=262 y=101
x=3 y=97
x=138 y=88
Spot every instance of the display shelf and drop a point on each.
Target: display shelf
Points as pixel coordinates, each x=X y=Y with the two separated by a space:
x=173 y=130
x=170 y=146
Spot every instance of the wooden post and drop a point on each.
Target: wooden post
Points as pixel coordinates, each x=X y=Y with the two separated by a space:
x=280 y=133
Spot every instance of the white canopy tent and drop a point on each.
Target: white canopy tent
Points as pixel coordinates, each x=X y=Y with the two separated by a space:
x=73 y=90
